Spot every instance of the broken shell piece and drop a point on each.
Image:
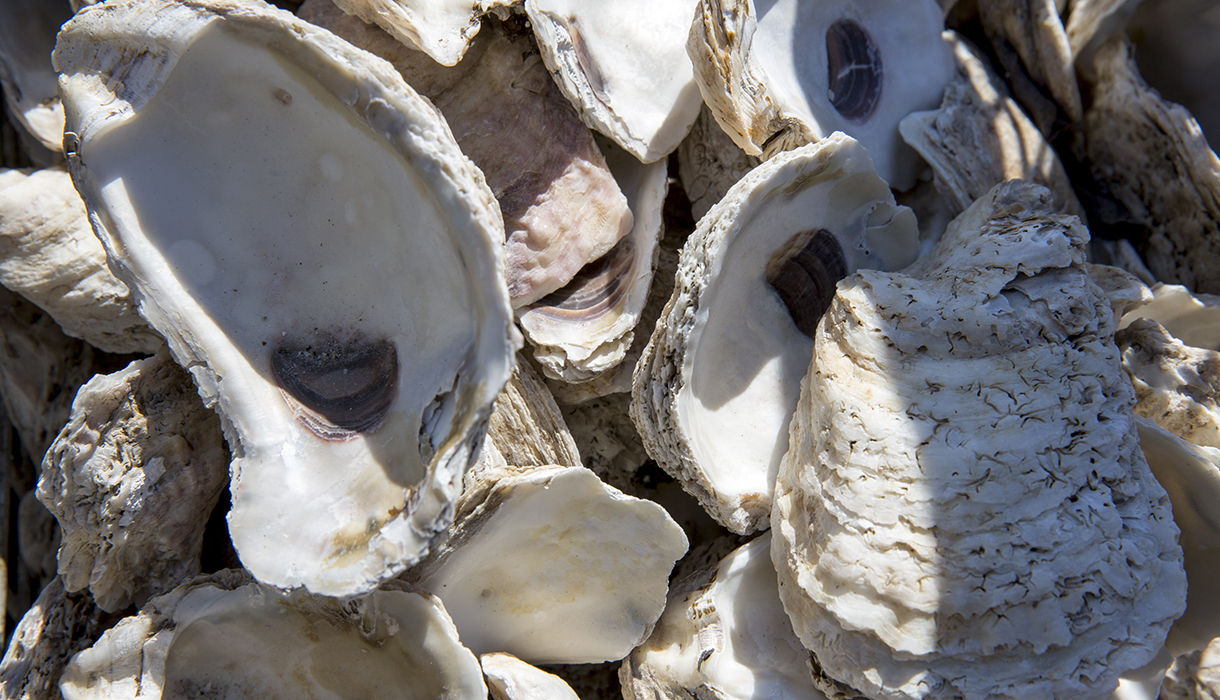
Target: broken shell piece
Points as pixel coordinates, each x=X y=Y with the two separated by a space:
x=1150 y=156
x=584 y=329
x=623 y=64
x=27 y=35
x=49 y=255
x=1176 y=386
x=723 y=635
x=443 y=29
x=553 y=566
x=562 y=207
x=1124 y=290
x=510 y=678
x=1194 y=676
x=1192 y=318
x=352 y=407
x=526 y=426
x=1091 y=23
x=1033 y=31
x=709 y=163
x=1191 y=476
x=58 y=625
x=980 y=137
x=802 y=70
x=976 y=526
x=718 y=381
x=226 y=635
x=131 y=480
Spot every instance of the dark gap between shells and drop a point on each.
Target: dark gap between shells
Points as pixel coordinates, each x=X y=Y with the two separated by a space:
x=804 y=274
x=853 y=66
x=345 y=386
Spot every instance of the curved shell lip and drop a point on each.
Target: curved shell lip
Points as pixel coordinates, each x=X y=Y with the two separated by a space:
x=339 y=551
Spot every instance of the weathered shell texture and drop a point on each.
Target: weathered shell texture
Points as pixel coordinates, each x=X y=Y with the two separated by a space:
x=980 y=137
x=27 y=35
x=953 y=518
x=1191 y=475
x=443 y=29
x=228 y=636
x=40 y=371
x=801 y=69
x=1175 y=385
x=1194 y=676
x=562 y=207
x=510 y=678
x=1031 y=42
x=352 y=406
x=709 y=163
x=131 y=480
x=49 y=255
x=526 y=426
x=1125 y=291
x=1090 y=23
x=583 y=330
x=56 y=626
x=724 y=634
x=623 y=63
x=1151 y=156
x=718 y=381
x=551 y=565
x=1192 y=318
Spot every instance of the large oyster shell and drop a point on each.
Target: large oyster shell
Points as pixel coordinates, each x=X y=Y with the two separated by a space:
x=260 y=235
x=952 y=518
x=718 y=381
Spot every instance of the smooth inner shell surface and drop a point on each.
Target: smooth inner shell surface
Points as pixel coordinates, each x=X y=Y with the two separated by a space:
x=297 y=243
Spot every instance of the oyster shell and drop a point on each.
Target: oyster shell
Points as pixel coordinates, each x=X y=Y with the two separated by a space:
x=584 y=330
x=510 y=678
x=49 y=255
x=1176 y=386
x=718 y=381
x=1194 y=676
x=27 y=35
x=552 y=566
x=709 y=163
x=624 y=64
x=1150 y=156
x=443 y=29
x=724 y=634
x=980 y=137
x=1033 y=46
x=352 y=407
x=1193 y=319
x=953 y=519
x=526 y=426
x=797 y=70
x=131 y=479
x=226 y=635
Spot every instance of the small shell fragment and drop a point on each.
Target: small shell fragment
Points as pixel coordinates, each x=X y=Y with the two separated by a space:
x=1176 y=385
x=1192 y=318
x=510 y=678
x=131 y=480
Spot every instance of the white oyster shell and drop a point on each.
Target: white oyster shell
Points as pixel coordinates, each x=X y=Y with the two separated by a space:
x=443 y=29
x=131 y=480
x=307 y=178
x=953 y=519
x=724 y=633
x=623 y=63
x=49 y=255
x=551 y=565
x=1192 y=318
x=228 y=636
x=718 y=381
x=1176 y=385
x=769 y=72
x=510 y=678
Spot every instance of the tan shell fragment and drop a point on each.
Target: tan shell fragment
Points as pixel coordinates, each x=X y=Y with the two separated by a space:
x=228 y=636
x=1194 y=676
x=551 y=565
x=1033 y=31
x=709 y=163
x=1150 y=156
x=1090 y=23
x=980 y=137
x=526 y=426
x=953 y=519
x=1192 y=318
x=49 y=255
x=1176 y=386
x=510 y=678
x=131 y=480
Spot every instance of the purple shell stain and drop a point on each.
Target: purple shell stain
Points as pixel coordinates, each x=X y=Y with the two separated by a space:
x=853 y=65
x=341 y=388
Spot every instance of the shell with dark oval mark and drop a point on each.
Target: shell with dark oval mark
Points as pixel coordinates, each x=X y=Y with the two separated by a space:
x=854 y=70
x=804 y=275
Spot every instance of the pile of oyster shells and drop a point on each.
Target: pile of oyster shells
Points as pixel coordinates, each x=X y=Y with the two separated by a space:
x=664 y=349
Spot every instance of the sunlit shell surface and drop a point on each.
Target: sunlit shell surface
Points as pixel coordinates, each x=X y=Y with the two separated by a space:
x=316 y=250
x=964 y=510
